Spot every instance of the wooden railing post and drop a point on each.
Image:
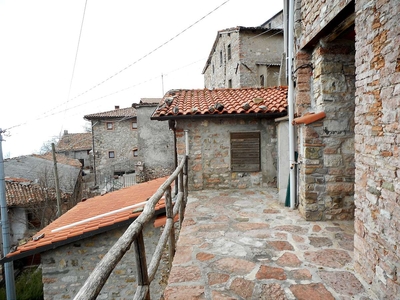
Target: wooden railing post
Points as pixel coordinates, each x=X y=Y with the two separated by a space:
x=186 y=181
x=141 y=264
x=170 y=215
x=181 y=190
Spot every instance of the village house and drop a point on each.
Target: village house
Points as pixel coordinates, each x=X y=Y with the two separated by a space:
x=232 y=134
x=31 y=193
x=76 y=146
x=347 y=92
x=246 y=56
x=72 y=245
x=155 y=143
x=30 y=208
x=115 y=147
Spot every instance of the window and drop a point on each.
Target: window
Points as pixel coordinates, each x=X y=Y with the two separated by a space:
x=262 y=81
x=135 y=153
x=110 y=125
x=134 y=125
x=245 y=151
x=230 y=83
x=229 y=52
x=213 y=69
x=111 y=154
x=33 y=220
x=220 y=58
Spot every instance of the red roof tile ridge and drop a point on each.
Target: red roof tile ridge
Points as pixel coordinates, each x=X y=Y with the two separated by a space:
x=100 y=216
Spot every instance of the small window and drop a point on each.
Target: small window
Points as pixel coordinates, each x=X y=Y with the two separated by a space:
x=135 y=153
x=213 y=69
x=134 y=125
x=111 y=154
x=245 y=151
x=110 y=125
x=262 y=81
x=220 y=58
x=230 y=83
x=229 y=52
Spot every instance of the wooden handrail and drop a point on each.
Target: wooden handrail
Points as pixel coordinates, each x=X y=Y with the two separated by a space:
x=100 y=274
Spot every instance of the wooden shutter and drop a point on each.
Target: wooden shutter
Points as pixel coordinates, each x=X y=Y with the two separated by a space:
x=245 y=151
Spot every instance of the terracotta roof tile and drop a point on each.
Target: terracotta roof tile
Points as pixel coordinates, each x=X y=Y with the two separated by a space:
x=92 y=214
x=61 y=159
x=244 y=101
x=21 y=192
x=128 y=112
x=75 y=142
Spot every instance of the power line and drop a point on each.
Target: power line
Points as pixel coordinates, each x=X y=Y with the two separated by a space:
x=76 y=58
x=141 y=58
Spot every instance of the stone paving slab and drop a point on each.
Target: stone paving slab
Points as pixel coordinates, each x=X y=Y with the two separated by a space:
x=243 y=244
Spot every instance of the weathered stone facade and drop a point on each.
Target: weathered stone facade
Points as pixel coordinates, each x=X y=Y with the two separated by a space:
x=65 y=269
x=377 y=189
x=155 y=144
x=114 y=142
x=355 y=80
x=325 y=83
x=209 y=149
x=241 y=56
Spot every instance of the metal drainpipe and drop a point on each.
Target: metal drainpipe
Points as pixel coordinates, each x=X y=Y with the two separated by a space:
x=291 y=105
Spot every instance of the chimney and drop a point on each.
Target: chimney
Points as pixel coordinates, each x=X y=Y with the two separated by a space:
x=116 y=106
x=65 y=132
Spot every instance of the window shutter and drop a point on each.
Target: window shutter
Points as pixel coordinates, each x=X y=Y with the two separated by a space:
x=245 y=151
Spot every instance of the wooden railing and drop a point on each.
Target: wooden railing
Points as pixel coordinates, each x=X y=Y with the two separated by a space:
x=134 y=234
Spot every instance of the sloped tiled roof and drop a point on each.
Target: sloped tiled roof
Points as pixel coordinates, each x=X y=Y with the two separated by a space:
x=90 y=217
x=22 y=193
x=244 y=101
x=38 y=168
x=129 y=112
x=61 y=159
x=75 y=142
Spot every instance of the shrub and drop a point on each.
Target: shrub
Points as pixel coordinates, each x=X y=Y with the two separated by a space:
x=28 y=285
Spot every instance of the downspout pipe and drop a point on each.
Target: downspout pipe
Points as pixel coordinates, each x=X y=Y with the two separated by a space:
x=291 y=104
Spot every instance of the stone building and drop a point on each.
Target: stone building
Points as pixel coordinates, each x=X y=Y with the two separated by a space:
x=71 y=246
x=76 y=146
x=246 y=56
x=232 y=134
x=347 y=72
x=155 y=143
x=114 y=142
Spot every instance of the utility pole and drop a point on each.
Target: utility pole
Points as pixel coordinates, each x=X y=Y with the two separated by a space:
x=59 y=212
x=5 y=228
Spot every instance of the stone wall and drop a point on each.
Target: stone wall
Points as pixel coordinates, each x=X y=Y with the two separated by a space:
x=316 y=14
x=65 y=269
x=325 y=76
x=377 y=189
x=326 y=147
x=209 y=152
x=122 y=140
x=155 y=144
x=247 y=48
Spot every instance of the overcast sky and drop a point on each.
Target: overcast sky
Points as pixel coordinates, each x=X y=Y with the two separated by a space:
x=128 y=50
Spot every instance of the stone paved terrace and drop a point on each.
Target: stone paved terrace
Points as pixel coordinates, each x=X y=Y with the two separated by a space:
x=242 y=244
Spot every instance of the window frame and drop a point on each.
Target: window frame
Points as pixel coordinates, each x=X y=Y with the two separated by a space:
x=112 y=125
x=132 y=127
x=245 y=151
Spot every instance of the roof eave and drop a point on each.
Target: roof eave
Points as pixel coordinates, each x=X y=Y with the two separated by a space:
x=198 y=116
x=74 y=239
